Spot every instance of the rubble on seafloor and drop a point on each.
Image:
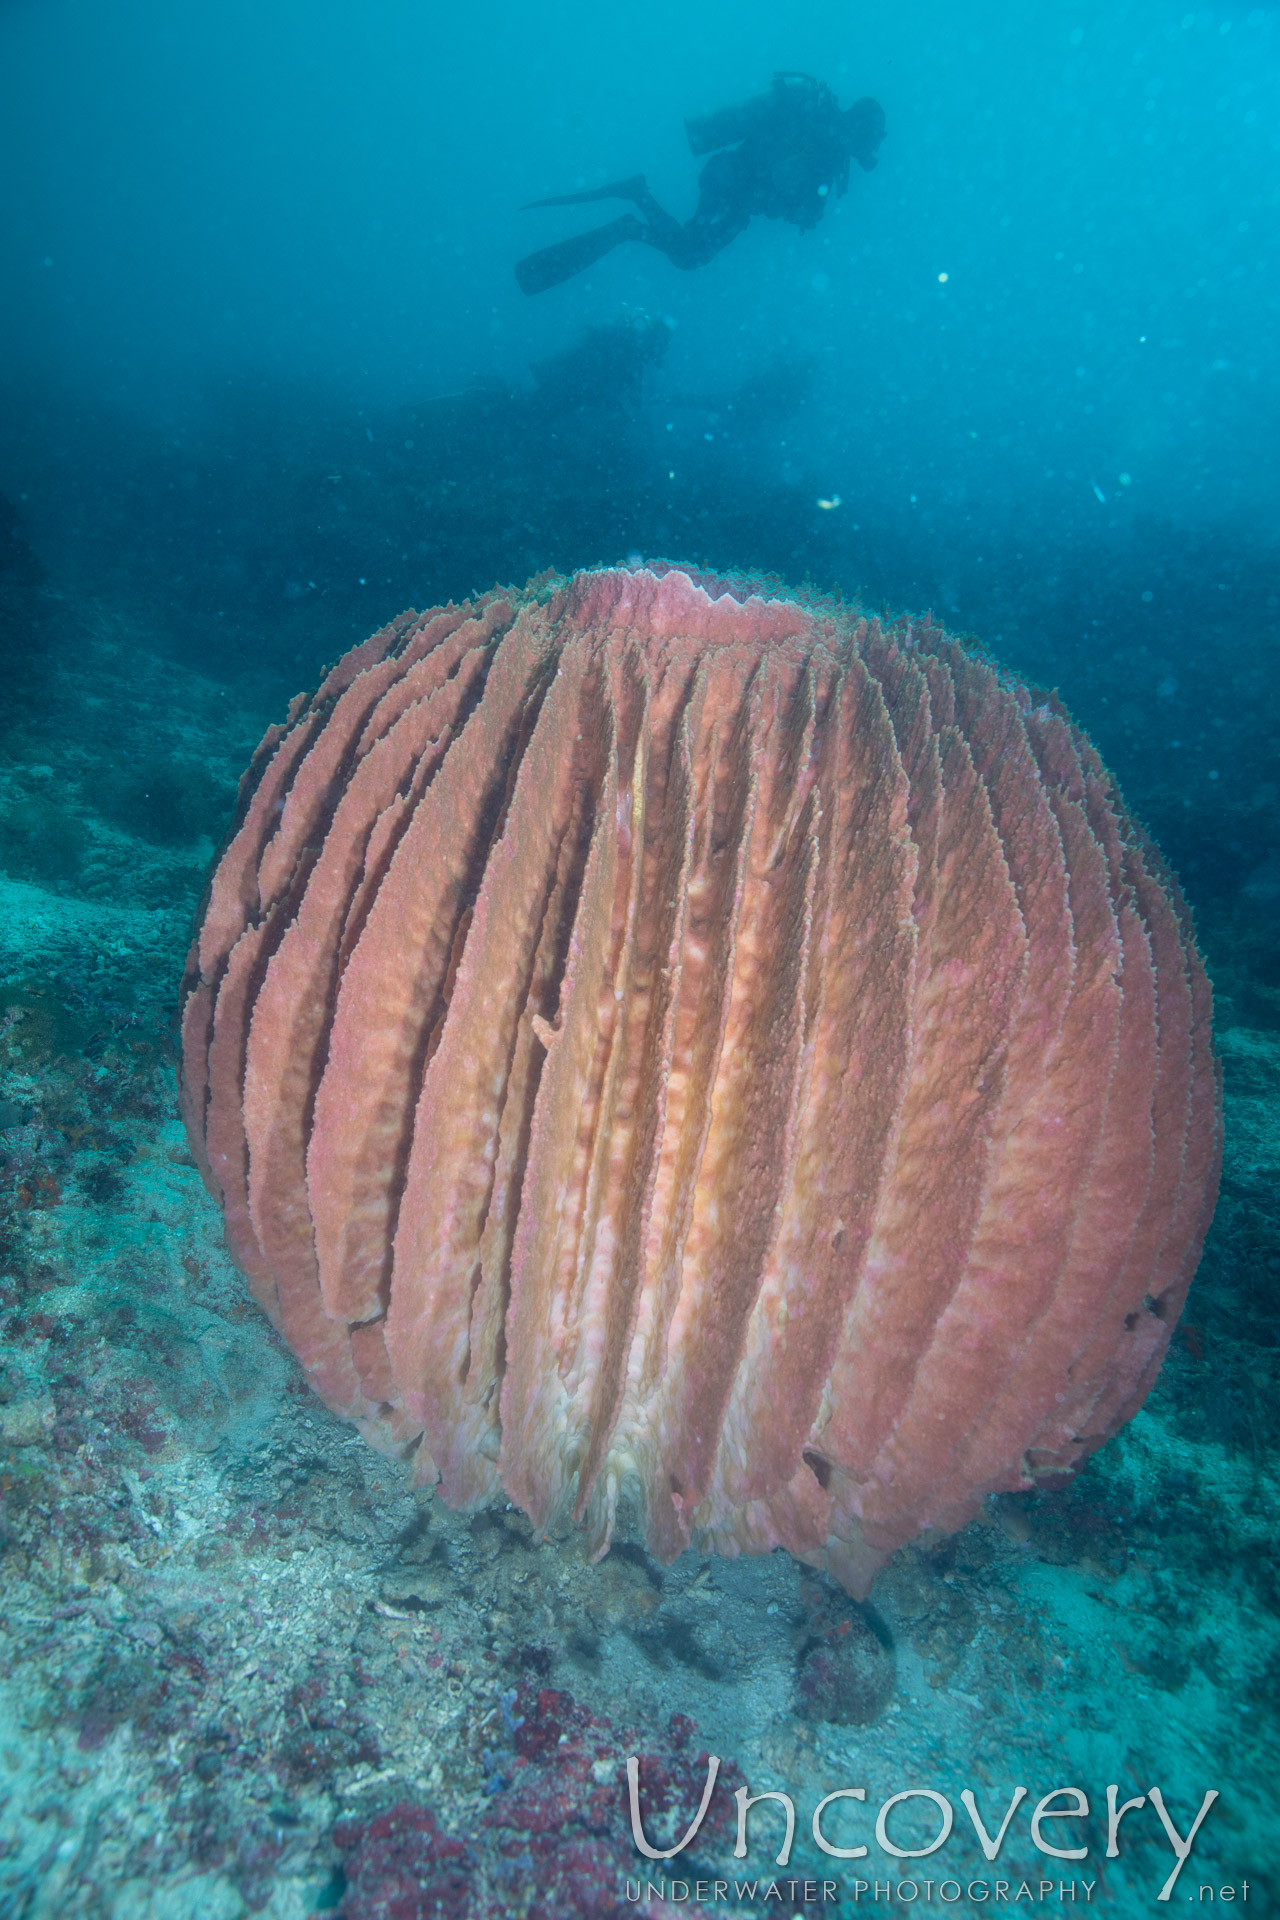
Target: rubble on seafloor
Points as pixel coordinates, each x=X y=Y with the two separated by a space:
x=246 y=1669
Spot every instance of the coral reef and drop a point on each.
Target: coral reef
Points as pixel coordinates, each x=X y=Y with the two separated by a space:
x=556 y=1836
x=660 y=1040
x=230 y=1632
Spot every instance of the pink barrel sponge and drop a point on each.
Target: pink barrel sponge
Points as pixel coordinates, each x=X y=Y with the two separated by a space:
x=666 y=1045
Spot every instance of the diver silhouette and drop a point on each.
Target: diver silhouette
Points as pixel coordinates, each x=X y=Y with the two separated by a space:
x=783 y=155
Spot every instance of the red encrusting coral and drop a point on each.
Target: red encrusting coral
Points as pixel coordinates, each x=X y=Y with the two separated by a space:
x=401 y=1867
x=556 y=1838
x=655 y=1038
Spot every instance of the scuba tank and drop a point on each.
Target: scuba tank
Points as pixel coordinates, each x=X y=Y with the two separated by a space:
x=794 y=92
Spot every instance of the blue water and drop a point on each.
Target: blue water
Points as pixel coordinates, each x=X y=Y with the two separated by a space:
x=266 y=379
x=1032 y=354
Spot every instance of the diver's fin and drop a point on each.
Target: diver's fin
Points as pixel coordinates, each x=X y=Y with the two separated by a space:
x=547 y=268
x=629 y=189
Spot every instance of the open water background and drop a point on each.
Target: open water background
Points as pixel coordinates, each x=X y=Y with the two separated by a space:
x=266 y=379
x=267 y=375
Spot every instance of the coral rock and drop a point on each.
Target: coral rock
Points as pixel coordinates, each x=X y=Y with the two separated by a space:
x=850 y=1682
x=662 y=1041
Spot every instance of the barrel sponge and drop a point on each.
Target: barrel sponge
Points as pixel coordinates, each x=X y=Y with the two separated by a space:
x=662 y=1043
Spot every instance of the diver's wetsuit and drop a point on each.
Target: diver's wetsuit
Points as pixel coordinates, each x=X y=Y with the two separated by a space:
x=783 y=155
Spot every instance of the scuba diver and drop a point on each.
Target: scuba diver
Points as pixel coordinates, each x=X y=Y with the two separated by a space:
x=783 y=155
